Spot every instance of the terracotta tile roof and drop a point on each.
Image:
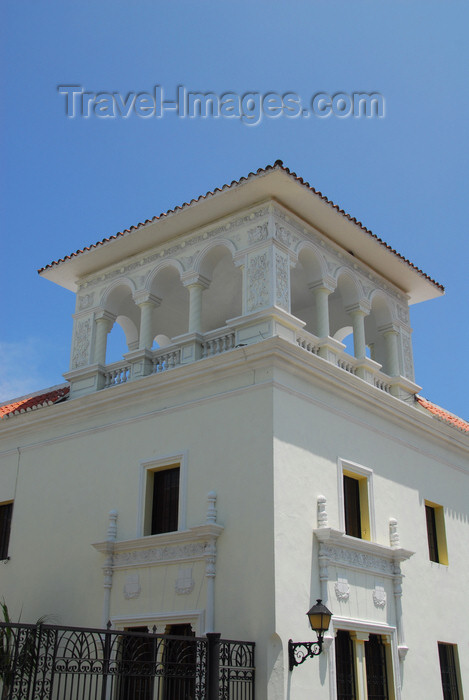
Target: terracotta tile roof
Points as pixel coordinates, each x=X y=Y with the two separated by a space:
x=30 y=403
x=278 y=165
x=442 y=414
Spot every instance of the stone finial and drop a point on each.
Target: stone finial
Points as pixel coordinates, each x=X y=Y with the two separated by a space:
x=112 y=527
x=322 y=513
x=393 y=533
x=211 y=510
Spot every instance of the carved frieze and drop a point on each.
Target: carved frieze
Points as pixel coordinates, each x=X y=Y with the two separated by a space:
x=259 y=233
x=156 y=555
x=357 y=560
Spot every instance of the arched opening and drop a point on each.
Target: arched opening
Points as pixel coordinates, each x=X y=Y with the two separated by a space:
x=124 y=333
x=345 y=295
x=380 y=317
x=308 y=271
x=170 y=318
x=222 y=300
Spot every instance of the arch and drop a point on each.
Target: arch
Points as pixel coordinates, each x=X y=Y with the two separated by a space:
x=311 y=259
x=208 y=258
x=118 y=300
x=117 y=290
x=222 y=300
x=150 y=282
x=380 y=317
x=310 y=269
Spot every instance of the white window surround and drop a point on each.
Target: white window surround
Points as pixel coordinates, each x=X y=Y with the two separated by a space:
x=344 y=465
x=150 y=465
x=362 y=628
x=195 y=618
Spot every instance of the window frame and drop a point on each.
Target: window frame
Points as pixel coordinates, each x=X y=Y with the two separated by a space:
x=360 y=630
x=454 y=670
x=145 y=497
x=440 y=533
x=364 y=476
x=5 y=536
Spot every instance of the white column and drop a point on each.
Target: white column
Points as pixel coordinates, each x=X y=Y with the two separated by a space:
x=358 y=314
x=104 y=323
x=146 y=304
x=195 y=307
x=392 y=353
x=321 y=302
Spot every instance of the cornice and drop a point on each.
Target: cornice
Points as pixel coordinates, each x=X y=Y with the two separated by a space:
x=337 y=542
x=281 y=353
x=184 y=545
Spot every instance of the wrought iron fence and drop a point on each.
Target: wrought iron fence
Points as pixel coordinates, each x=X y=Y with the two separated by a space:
x=50 y=662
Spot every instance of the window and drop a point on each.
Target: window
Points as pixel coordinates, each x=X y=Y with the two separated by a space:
x=376 y=671
x=356 y=501
x=6 y=510
x=436 y=533
x=359 y=655
x=162 y=495
x=162 y=511
x=449 y=670
x=345 y=666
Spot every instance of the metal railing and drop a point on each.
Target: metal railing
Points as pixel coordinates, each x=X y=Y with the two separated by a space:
x=51 y=662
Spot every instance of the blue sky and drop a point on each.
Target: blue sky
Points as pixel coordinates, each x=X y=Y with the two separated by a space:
x=66 y=183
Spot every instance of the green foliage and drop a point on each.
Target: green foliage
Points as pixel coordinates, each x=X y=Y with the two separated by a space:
x=16 y=656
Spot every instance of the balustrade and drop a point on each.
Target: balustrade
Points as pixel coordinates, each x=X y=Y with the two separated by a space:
x=218 y=344
x=166 y=360
x=117 y=373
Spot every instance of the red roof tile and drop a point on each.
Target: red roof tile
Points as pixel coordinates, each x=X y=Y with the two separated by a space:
x=443 y=415
x=278 y=165
x=33 y=402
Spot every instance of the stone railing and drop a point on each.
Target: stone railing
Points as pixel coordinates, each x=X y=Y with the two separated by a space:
x=117 y=373
x=308 y=342
x=166 y=358
x=218 y=341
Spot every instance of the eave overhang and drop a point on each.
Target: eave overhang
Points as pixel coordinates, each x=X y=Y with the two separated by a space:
x=272 y=183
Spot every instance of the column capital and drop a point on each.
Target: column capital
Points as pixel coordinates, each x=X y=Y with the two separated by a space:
x=103 y=315
x=144 y=297
x=389 y=328
x=327 y=284
x=363 y=307
x=190 y=279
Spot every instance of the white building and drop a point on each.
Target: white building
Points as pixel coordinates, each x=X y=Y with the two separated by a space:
x=249 y=464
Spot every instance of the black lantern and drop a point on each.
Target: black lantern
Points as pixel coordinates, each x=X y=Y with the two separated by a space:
x=319 y=618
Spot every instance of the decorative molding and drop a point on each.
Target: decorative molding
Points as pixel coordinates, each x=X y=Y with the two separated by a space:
x=394 y=540
x=195 y=239
x=379 y=597
x=260 y=233
x=342 y=589
x=335 y=547
x=85 y=301
x=132 y=588
x=187 y=545
x=184 y=582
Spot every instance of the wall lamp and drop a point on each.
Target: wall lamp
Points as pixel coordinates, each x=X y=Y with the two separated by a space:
x=319 y=619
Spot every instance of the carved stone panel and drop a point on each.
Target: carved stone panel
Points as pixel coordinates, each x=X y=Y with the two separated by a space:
x=258 y=276
x=82 y=342
x=282 y=281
